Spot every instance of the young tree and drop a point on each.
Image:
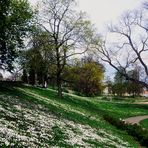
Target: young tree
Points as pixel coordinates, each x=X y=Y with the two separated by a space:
x=119 y=85
x=67 y=29
x=118 y=77
x=132 y=87
x=86 y=77
x=15 y=18
x=122 y=86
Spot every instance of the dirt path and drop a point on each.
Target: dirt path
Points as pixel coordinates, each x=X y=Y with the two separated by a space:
x=141 y=103
x=135 y=120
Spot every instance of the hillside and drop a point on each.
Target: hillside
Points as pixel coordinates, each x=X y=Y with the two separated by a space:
x=36 y=117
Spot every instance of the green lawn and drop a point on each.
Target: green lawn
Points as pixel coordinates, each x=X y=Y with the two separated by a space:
x=42 y=118
x=116 y=109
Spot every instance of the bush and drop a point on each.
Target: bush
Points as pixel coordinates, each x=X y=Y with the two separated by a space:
x=140 y=134
x=86 y=78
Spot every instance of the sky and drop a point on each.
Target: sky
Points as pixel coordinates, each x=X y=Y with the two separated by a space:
x=101 y=12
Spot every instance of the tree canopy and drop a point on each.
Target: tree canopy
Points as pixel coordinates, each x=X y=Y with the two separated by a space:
x=15 y=22
x=67 y=29
x=86 y=77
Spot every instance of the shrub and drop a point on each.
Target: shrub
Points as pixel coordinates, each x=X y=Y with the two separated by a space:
x=140 y=134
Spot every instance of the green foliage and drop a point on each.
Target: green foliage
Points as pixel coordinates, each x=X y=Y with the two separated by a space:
x=119 y=89
x=15 y=22
x=144 y=123
x=118 y=76
x=134 y=89
x=87 y=77
x=38 y=61
x=122 y=86
x=135 y=130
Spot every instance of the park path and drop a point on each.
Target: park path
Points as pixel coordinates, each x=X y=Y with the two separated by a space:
x=135 y=120
x=141 y=103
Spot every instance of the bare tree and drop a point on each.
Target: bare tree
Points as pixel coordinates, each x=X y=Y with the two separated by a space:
x=128 y=46
x=68 y=31
x=145 y=5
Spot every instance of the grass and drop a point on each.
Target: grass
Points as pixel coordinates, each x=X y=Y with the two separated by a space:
x=144 y=123
x=116 y=109
x=80 y=110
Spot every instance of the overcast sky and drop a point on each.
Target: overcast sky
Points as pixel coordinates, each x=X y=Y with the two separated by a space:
x=104 y=11
x=101 y=12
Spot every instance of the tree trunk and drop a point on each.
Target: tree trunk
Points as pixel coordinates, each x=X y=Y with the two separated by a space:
x=58 y=74
x=27 y=79
x=35 y=79
x=43 y=81
x=59 y=86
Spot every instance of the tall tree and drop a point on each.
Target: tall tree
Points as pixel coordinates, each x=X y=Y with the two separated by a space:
x=15 y=18
x=68 y=30
x=129 y=47
x=38 y=59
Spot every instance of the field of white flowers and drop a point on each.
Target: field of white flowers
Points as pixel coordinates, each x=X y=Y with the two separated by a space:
x=25 y=124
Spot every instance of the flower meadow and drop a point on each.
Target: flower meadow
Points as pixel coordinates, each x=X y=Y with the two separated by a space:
x=25 y=124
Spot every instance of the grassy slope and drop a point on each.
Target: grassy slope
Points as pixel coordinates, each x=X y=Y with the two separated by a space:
x=116 y=109
x=144 y=123
x=80 y=110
